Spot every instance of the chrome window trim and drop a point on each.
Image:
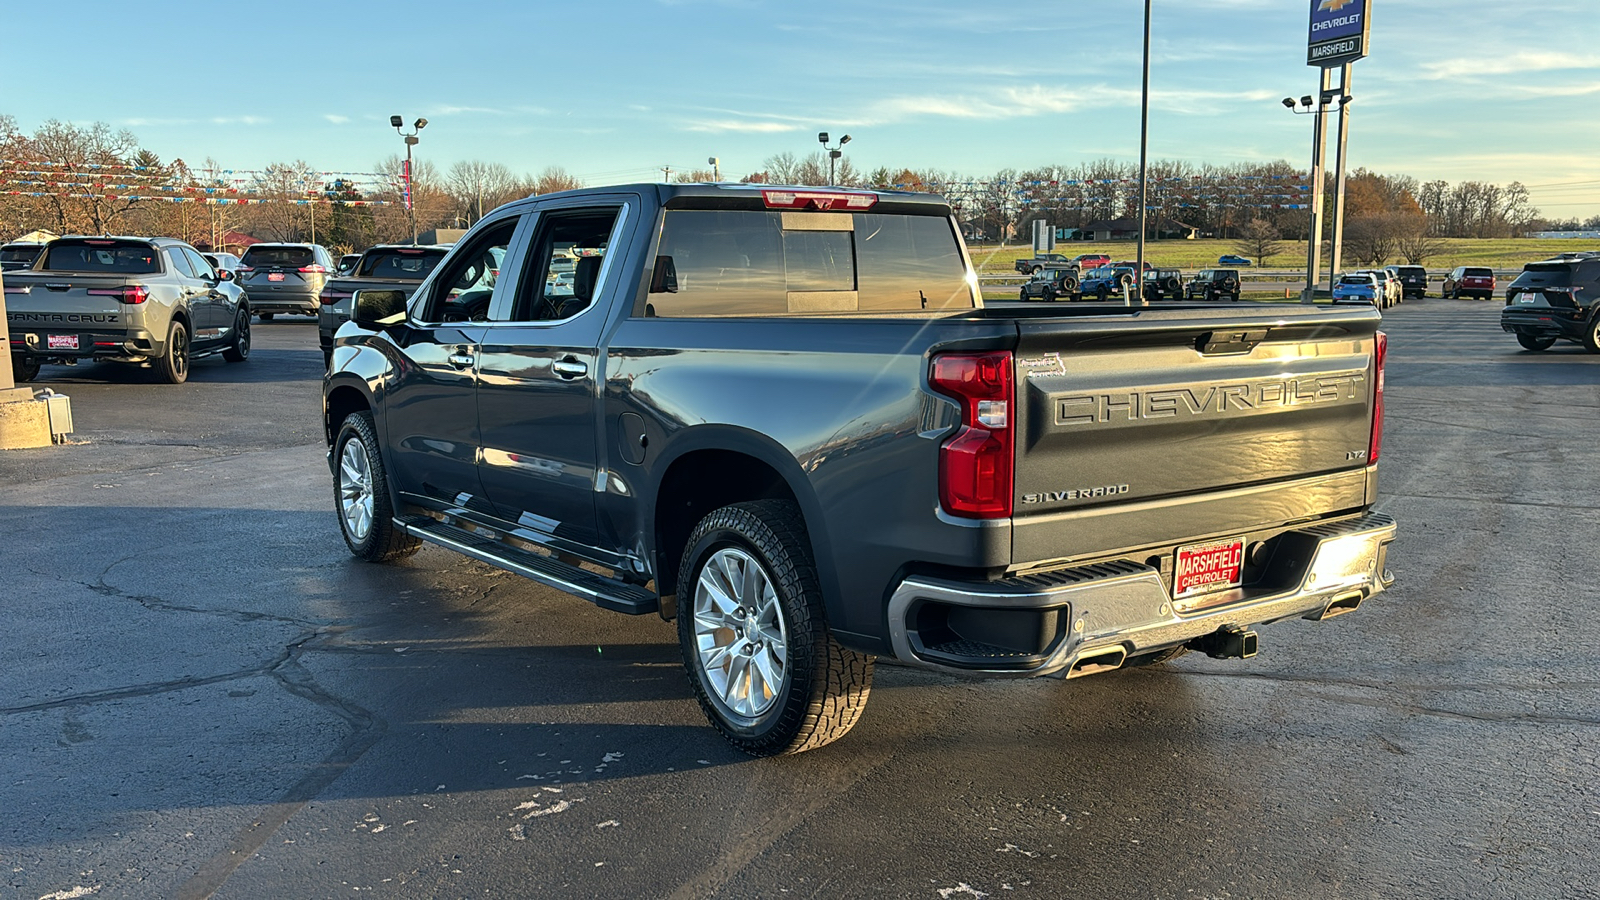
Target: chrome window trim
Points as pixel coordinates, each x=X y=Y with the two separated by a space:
x=623 y=209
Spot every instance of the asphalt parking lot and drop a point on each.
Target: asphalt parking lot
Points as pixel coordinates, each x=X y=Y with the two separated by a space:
x=202 y=694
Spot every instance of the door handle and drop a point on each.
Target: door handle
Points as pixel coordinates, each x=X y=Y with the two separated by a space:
x=461 y=360
x=570 y=368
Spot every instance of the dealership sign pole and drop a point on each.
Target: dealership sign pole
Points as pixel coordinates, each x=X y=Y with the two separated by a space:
x=1339 y=35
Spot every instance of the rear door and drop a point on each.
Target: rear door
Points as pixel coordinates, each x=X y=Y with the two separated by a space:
x=1168 y=406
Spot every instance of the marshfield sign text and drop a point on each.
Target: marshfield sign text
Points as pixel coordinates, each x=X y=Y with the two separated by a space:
x=1339 y=31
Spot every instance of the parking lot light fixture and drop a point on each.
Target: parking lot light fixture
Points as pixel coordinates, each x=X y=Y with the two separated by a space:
x=398 y=122
x=833 y=152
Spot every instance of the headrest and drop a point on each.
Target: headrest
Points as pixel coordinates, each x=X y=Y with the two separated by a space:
x=584 y=275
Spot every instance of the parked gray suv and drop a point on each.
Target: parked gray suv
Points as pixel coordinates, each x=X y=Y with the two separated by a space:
x=284 y=278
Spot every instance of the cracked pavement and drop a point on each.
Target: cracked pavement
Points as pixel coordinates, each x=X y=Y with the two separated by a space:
x=202 y=695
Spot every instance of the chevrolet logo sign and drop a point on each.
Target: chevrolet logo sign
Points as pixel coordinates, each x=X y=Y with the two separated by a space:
x=1333 y=5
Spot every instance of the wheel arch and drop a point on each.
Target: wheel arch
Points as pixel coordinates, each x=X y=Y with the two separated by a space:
x=710 y=467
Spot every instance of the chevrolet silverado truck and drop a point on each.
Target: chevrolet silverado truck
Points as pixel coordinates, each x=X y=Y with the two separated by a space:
x=150 y=302
x=784 y=418
x=394 y=266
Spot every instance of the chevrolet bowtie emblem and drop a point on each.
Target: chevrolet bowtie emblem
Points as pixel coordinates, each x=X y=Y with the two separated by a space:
x=1333 y=5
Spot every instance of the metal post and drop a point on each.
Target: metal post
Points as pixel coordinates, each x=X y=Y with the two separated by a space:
x=1144 y=144
x=411 y=190
x=1337 y=261
x=1319 y=142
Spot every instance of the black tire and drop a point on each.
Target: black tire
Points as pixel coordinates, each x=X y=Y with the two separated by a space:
x=1069 y=286
x=822 y=687
x=378 y=540
x=1591 y=335
x=173 y=365
x=23 y=372
x=1534 y=342
x=266 y=317
x=1104 y=293
x=240 y=351
x=1154 y=657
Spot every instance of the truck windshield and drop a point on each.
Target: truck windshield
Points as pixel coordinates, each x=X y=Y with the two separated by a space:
x=109 y=256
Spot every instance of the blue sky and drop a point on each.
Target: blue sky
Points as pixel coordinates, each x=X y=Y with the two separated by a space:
x=612 y=90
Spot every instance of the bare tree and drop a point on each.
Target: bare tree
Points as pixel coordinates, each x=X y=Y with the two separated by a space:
x=84 y=156
x=477 y=186
x=552 y=179
x=1371 y=240
x=1415 y=242
x=1258 y=240
x=283 y=189
x=782 y=168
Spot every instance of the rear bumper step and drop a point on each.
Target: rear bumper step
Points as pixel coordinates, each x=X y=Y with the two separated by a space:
x=1086 y=619
x=607 y=593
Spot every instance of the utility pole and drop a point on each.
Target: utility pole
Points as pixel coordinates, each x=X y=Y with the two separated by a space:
x=1144 y=145
x=666 y=173
x=1336 y=262
x=1319 y=140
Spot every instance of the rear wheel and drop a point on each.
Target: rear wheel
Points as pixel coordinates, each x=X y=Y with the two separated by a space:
x=361 y=493
x=754 y=635
x=23 y=372
x=173 y=366
x=240 y=351
x=1534 y=342
x=1591 y=336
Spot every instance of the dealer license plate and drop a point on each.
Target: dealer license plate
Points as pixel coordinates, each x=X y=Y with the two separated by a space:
x=1202 y=568
x=62 y=342
x=274 y=276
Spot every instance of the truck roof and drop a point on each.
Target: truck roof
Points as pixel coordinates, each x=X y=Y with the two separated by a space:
x=691 y=194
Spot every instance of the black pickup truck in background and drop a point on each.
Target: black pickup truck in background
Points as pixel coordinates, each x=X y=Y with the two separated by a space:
x=784 y=418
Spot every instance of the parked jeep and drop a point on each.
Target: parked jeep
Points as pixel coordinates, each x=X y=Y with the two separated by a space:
x=1213 y=284
x=1051 y=284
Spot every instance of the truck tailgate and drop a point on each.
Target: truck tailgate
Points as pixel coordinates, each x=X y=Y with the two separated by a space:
x=1163 y=411
x=51 y=300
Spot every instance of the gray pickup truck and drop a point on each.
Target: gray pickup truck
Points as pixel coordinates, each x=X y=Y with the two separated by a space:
x=399 y=267
x=150 y=302
x=785 y=418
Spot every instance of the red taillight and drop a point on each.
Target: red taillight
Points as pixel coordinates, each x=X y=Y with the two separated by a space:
x=329 y=298
x=1380 y=352
x=133 y=293
x=975 y=465
x=818 y=200
x=313 y=269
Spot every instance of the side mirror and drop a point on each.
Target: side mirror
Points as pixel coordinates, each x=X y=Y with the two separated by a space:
x=225 y=274
x=375 y=309
x=664 y=280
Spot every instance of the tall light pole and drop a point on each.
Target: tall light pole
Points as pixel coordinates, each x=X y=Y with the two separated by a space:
x=716 y=168
x=1144 y=168
x=411 y=141
x=833 y=152
x=1318 y=106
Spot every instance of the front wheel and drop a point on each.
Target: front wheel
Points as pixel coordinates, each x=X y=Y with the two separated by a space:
x=173 y=366
x=754 y=635
x=366 y=518
x=240 y=349
x=1534 y=342
x=1104 y=293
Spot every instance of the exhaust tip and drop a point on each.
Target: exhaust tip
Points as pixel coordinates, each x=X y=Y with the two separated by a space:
x=1097 y=661
x=1338 y=606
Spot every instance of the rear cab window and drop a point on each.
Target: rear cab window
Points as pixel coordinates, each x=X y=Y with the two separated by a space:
x=781 y=263
x=399 y=263
x=278 y=257
x=109 y=256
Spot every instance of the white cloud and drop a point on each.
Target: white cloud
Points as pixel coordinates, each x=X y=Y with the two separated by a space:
x=1525 y=61
x=337 y=120
x=743 y=127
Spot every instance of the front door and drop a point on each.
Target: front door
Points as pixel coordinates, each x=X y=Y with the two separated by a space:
x=433 y=442
x=539 y=373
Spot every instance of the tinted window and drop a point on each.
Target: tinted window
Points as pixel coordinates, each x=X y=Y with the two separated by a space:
x=202 y=269
x=110 y=256
x=181 y=262
x=282 y=257
x=465 y=290
x=732 y=263
x=399 y=263
x=25 y=253
x=1474 y=272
